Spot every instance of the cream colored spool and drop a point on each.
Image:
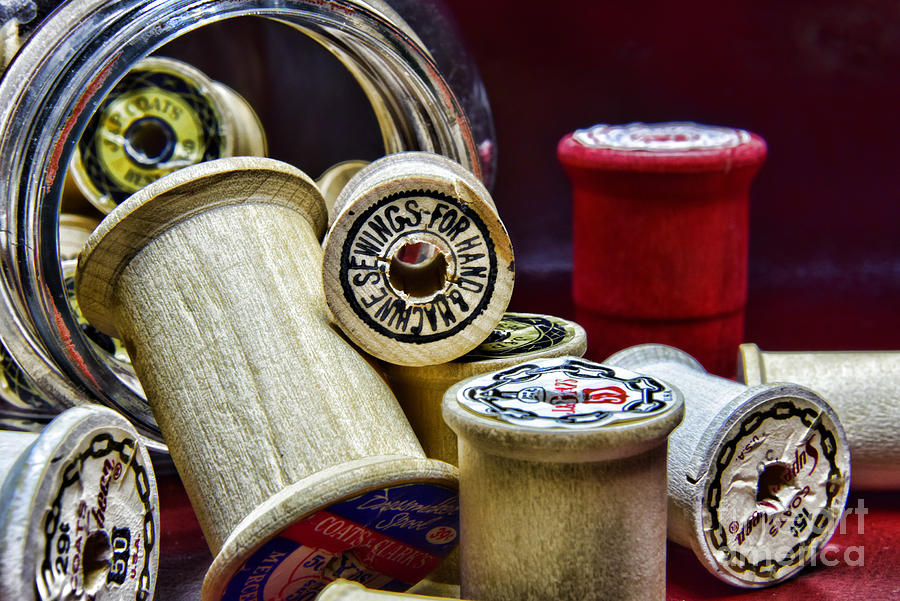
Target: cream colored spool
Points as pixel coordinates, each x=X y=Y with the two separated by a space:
x=344 y=590
x=78 y=511
x=165 y=115
x=562 y=481
x=517 y=338
x=73 y=233
x=333 y=180
x=211 y=277
x=861 y=386
x=425 y=309
x=758 y=477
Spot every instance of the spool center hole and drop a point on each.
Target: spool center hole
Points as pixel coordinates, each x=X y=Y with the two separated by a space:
x=149 y=141
x=95 y=560
x=775 y=486
x=419 y=269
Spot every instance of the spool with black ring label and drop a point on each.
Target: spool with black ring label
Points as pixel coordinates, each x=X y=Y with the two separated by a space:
x=78 y=511
x=162 y=116
x=758 y=477
x=570 y=456
x=519 y=337
x=418 y=266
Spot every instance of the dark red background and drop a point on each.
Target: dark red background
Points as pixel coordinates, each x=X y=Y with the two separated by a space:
x=816 y=78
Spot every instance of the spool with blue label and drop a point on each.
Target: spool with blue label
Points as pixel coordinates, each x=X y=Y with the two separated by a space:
x=758 y=476
x=296 y=457
x=568 y=457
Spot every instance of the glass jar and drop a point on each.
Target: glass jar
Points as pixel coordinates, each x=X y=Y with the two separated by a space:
x=74 y=58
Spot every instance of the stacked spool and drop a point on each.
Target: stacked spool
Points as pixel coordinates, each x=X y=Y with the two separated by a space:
x=211 y=277
x=418 y=267
x=562 y=481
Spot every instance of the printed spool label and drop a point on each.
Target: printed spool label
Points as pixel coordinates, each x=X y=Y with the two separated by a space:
x=388 y=538
x=148 y=109
x=113 y=348
x=566 y=393
x=17 y=390
x=775 y=491
x=661 y=137
x=383 y=230
x=99 y=532
x=520 y=334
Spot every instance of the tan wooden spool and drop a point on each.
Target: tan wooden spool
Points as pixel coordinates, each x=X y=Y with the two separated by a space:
x=164 y=115
x=758 y=477
x=73 y=232
x=344 y=590
x=333 y=180
x=861 y=386
x=78 y=511
x=418 y=266
x=519 y=337
x=295 y=454
x=562 y=481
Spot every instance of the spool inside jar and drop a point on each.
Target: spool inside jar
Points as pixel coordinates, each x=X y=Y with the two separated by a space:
x=149 y=141
x=418 y=269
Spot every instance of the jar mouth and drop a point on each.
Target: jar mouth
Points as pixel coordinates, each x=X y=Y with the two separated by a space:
x=59 y=78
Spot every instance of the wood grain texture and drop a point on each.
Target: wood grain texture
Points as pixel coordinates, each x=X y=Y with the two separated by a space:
x=436 y=306
x=744 y=464
x=71 y=497
x=333 y=180
x=570 y=511
x=212 y=278
x=344 y=590
x=862 y=388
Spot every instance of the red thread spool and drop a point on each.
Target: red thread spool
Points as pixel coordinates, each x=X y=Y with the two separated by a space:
x=660 y=222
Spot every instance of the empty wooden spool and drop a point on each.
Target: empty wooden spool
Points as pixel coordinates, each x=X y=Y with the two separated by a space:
x=860 y=385
x=758 y=477
x=418 y=266
x=295 y=454
x=78 y=511
x=562 y=481
x=519 y=337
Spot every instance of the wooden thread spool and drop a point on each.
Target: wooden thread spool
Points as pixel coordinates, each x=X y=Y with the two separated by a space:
x=562 y=481
x=333 y=180
x=163 y=115
x=660 y=235
x=344 y=590
x=758 y=477
x=73 y=232
x=862 y=388
x=212 y=278
x=78 y=511
x=519 y=337
x=418 y=266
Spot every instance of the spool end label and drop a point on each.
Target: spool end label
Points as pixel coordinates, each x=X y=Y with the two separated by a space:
x=522 y=334
x=388 y=538
x=776 y=491
x=410 y=297
x=566 y=393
